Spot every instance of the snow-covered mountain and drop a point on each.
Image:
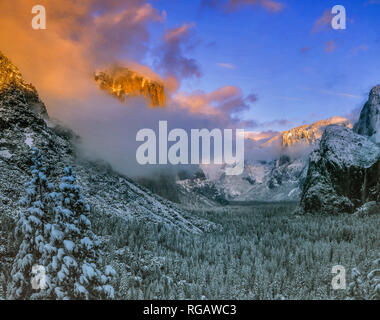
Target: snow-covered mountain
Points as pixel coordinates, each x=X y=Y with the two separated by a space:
x=308 y=134
x=279 y=179
x=24 y=123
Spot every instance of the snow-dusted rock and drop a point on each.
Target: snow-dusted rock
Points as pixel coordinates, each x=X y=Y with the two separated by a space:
x=368 y=209
x=369 y=122
x=344 y=173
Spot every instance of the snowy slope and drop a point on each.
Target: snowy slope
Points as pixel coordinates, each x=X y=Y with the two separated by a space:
x=23 y=123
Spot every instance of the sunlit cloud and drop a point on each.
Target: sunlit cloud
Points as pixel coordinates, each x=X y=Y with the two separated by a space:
x=80 y=37
x=324 y=22
x=260 y=136
x=171 y=56
x=223 y=102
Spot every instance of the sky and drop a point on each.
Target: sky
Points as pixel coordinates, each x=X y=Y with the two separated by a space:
x=260 y=65
x=300 y=69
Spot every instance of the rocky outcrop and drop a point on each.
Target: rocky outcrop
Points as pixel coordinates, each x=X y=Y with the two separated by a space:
x=306 y=135
x=369 y=122
x=368 y=209
x=123 y=83
x=344 y=173
x=10 y=77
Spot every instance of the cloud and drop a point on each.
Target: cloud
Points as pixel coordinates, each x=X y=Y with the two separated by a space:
x=372 y=2
x=324 y=22
x=275 y=123
x=85 y=36
x=171 y=55
x=226 y=65
x=361 y=48
x=335 y=93
x=330 y=46
x=80 y=37
x=354 y=114
x=286 y=98
x=305 y=49
x=260 y=136
x=224 y=103
x=269 y=5
x=234 y=5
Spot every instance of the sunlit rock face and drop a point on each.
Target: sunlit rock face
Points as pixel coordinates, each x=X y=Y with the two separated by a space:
x=369 y=122
x=11 y=80
x=123 y=83
x=307 y=134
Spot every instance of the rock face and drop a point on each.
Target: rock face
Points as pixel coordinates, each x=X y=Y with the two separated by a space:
x=308 y=134
x=10 y=77
x=23 y=126
x=123 y=83
x=369 y=122
x=344 y=173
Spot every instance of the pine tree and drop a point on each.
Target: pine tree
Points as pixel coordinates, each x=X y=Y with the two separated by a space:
x=30 y=231
x=75 y=268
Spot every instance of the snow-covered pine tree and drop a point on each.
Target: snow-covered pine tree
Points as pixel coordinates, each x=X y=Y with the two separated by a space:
x=30 y=231
x=76 y=266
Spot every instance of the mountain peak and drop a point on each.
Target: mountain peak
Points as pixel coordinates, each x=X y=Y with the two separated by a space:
x=10 y=75
x=369 y=121
x=375 y=93
x=13 y=85
x=307 y=134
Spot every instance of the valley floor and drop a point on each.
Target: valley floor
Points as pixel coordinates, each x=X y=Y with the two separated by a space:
x=259 y=251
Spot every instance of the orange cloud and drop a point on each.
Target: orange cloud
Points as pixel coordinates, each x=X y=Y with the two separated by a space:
x=260 y=136
x=81 y=36
x=323 y=22
x=223 y=103
x=177 y=34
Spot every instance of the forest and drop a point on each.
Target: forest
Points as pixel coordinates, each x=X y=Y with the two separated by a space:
x=257 y=251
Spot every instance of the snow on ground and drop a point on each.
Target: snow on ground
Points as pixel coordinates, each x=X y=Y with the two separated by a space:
x=5 y=154
x=29 y=139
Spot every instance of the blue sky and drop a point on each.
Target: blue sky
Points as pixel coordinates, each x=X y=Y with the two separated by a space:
x=281 y=56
